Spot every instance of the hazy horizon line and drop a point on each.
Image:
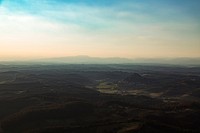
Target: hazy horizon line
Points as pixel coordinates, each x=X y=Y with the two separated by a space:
x=87 y=56
x=85 y=59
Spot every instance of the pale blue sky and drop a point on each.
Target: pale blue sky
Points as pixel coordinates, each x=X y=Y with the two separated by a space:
x=104 y=28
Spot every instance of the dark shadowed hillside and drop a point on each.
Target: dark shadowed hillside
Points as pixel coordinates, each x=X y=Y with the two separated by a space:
x=99 y=99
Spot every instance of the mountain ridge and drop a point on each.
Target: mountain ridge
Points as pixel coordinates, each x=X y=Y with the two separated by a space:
x=84 y=59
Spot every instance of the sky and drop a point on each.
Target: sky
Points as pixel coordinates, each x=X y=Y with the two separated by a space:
x=31 y=29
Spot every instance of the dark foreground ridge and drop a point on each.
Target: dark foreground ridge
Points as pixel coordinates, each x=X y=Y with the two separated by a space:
x=99 y=99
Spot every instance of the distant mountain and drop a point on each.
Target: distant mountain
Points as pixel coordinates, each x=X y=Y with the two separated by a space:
x=88 y=60
x=171 y=61
x=110 y=60
x=118 y=60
